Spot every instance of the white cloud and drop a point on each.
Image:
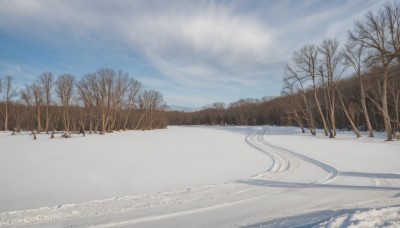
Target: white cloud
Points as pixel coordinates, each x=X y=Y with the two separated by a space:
x=201 y=44
x=214 y=45
x=187 y=44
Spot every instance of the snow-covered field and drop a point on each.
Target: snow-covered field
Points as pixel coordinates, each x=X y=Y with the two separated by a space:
x=200 y=176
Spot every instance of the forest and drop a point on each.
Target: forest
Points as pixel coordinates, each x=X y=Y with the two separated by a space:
x=99 y=102
x=353 y=85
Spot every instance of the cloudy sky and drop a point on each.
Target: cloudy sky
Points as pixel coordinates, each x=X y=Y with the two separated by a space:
x=194 y=52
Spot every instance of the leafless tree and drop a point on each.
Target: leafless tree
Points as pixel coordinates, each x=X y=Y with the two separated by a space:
x=330 y=73
x=380 y=34
x=395 y=96
x=37 y=92
x=149 y=102
x=295 y=82
x=306 y=64
x=121 y=91
x=289 y=91
x=46 y=80
x=27 y=97
x=9 y=93
x=353 y=56
x=86 y=93
x=219 y=107
x=241 y=112
x=347 y=113
x=104 y=90
x=134 y=88
x=64 y=89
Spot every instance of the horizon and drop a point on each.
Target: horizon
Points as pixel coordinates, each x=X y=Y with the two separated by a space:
x=194 y=52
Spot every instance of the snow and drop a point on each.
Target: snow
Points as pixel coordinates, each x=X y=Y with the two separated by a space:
x=49 y=172
x=262 y=176
x=385 y=217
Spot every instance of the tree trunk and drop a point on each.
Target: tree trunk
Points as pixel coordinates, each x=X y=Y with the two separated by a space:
x=364 y=108
x=396 y=109
x=298 y=119
x=90 y=125
x=320 y=113
x=127 y=117
x=103 y=124
x=333 y=121
x=47 y=118
x=386 y=117
x=6 y=118
x=353 y=126
x=309 y=116
x=330 y=112
x=141 y=118
x=39 y=126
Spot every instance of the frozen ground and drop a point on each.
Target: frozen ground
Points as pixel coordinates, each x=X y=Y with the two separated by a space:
x=49 y=172
x=200 y=176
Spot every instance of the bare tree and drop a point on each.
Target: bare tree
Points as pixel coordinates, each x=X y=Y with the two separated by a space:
x=104 y=90
x=111 y=86
x=121 y=91
x=346 y=112
x=240 y=111
x=27 y=97
x=134 y=88
x=219 y=107
x=46 y=80
x=353 y=57
x=37 y=93
x=395 y=95
x=380 y=34
x=86 y=93
x=9 y=93
x=305 y=60
x=64 y=89
x=330 y=73
x=149 y=101
x=295 y=82
x=289 y=90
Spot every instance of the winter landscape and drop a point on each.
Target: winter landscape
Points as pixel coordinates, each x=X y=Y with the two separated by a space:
x=263 y=176
x=211 y=113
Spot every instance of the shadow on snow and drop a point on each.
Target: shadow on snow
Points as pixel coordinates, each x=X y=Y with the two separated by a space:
x=279 y=184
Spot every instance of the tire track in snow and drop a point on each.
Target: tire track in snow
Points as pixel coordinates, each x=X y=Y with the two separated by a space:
x=182 y=213
x=333 y=172
x=283 y=161
x=279 y=162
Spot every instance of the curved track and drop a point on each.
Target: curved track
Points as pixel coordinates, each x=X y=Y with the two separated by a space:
x=281 y=157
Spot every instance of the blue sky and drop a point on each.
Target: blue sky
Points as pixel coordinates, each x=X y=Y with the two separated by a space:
x=193 y=52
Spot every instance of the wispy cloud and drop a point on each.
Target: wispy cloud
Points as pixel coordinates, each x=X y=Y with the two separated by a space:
x=188 y=44
x=196 y=46
x=20 y=73
x=213 y=45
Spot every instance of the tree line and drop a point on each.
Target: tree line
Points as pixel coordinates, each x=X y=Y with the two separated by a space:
x=100 y=102
x=314 y=93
